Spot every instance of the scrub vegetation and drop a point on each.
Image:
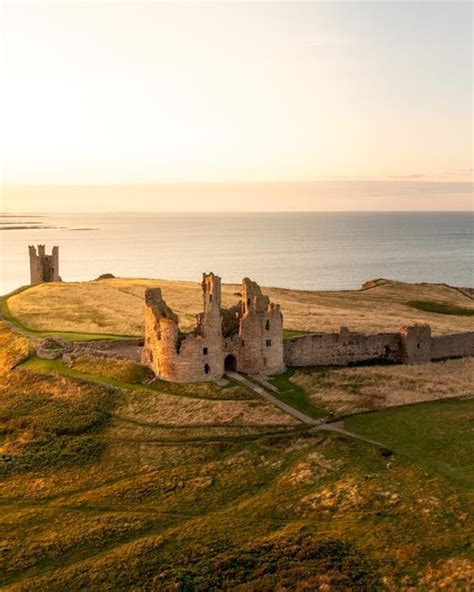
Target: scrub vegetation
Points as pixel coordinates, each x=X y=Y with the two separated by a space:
x=138 y=487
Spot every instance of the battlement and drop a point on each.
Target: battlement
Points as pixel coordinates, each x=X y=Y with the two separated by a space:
x=43 y=267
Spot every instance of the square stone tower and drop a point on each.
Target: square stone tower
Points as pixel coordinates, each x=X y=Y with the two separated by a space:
x=44 y=268
x=415 y=344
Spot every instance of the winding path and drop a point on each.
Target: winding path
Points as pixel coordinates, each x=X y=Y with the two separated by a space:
x=318 y=425
x=260 y=390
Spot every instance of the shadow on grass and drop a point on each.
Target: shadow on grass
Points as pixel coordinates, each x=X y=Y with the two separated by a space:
x=441 y=308
x=295 y=395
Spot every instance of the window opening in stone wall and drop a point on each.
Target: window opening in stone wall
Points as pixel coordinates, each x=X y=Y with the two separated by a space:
x=205 y=351
x=268 y=342
x=267 y=325
x=207 y=368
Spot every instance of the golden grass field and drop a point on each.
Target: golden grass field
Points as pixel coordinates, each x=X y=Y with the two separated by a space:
x=149 y=408
x=369 y=388
x=13 y=347
x=116 y=306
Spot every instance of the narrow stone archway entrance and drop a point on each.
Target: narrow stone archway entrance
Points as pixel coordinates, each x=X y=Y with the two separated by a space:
x=230 y=363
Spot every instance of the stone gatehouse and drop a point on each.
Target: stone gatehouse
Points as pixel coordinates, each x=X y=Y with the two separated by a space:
x=247 y=337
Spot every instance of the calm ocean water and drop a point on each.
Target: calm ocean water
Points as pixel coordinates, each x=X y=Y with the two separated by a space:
x=292 y=250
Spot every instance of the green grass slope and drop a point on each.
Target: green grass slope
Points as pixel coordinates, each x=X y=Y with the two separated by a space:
x=103 y=490
x=436 y=435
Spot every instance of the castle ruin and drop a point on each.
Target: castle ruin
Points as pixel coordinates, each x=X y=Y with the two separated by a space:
x=247 y=337
x=44 y=268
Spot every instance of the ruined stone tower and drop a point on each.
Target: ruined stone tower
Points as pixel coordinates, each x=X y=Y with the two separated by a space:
x=415 y=344
x=184 y=357
x=261 y=332
x=44 y=268
x=246 y=337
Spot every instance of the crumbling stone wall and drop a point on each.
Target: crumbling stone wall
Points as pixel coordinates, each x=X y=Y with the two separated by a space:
x=44 y=268
x=415 y=344
x=248 y=337
x=411 y=345
x=341 y=348
x=456 y=345
x=184 y=357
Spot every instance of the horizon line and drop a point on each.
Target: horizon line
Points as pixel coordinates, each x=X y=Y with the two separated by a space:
x=422 y=178
x=470 y=211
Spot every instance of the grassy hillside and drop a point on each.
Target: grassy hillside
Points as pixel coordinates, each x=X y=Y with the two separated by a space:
x=112 y=483
x=437 y=435
x=13 y=349
x=116 y=306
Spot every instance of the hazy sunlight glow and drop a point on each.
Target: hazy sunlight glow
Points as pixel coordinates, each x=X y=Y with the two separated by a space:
x=144 y=93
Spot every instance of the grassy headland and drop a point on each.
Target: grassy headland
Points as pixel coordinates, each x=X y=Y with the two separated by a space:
x=79 y=306
x=114 y=480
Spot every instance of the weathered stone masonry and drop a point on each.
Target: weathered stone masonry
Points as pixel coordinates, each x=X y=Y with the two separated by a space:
x=411 y=345
x=247 y=337
x=44 y=268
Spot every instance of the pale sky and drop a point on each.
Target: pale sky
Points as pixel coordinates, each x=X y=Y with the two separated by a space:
x=374 y=95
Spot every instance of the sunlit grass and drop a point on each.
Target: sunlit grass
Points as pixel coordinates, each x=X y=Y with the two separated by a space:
x=437 y=435
x=367 y=388
x=125 y=489
x=13 y=348
x=164 y=404
x=80 y=307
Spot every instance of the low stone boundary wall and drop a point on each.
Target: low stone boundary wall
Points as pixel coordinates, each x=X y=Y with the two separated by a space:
x=118 y=349
x=52 y=348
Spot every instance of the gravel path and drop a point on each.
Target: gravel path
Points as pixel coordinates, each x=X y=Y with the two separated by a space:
x=336 y=426
x=272 y=399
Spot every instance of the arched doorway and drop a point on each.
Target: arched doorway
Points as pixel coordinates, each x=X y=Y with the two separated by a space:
x=230 y=363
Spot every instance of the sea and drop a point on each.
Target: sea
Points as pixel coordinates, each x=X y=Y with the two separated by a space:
x=302 y=250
